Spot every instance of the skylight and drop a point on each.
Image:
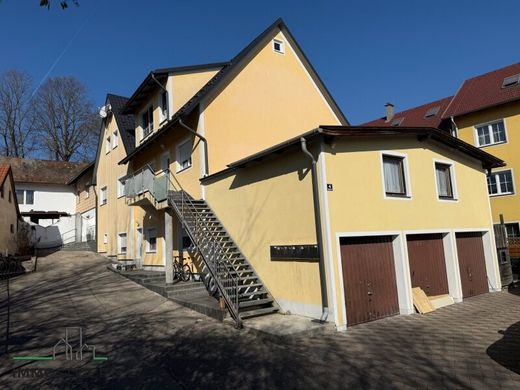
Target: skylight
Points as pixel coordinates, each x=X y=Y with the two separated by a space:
x=511 y=80
x=397 y=121
x=432 y=111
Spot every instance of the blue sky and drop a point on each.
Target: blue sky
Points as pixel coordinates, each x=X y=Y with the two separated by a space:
x=367 y=52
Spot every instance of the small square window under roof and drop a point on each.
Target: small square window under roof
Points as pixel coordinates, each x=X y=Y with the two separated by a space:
x=511 y=80
x=432 y=111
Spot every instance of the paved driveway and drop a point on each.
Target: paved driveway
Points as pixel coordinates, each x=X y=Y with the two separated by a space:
x=151 y=342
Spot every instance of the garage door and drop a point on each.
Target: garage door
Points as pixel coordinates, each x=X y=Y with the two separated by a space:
x=427 y=263
x=472 y=264
x=369 y=278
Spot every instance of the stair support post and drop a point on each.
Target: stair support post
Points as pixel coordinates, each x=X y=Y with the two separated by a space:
x=168 y=246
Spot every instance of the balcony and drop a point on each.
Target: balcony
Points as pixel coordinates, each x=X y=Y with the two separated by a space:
x=143 y=188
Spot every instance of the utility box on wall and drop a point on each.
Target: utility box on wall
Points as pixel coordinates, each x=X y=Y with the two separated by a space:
x=295 y=252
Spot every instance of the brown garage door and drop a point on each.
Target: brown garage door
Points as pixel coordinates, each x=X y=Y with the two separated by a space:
x=427 y=263
x=369 y=278
x=472 y=264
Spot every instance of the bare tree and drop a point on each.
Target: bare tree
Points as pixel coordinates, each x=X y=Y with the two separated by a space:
x=66 y=119
x=16 y=119
x=63 y=3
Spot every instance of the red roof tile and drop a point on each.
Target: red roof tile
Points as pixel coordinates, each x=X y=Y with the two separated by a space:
x=484 y=91
x=416 y=117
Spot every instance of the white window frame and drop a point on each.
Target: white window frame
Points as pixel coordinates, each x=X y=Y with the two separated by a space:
x=282 y=46
x=119 y=242
x=115 y=139
x=150 y=122
x=407 y=183
x=25 y=197
x=103 y=196
x=120 y=187
x=491 y=136
x=148 y=249
x=163 y=111
x=512 y=223
x=500 y=193
x=453 y=178
x=178 y=167
x=108 y=144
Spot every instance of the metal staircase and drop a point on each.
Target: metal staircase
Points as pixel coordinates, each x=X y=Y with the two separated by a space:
x=237 y=282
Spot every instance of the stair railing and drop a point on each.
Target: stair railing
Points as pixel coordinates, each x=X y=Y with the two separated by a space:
x=217 y=259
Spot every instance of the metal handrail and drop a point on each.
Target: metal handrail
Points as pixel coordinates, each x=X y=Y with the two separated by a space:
x=203 y=228
x=232 y=300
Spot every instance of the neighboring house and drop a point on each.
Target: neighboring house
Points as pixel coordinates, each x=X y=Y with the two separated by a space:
x=85 y=204
x=220 y=170
x=485 y=112
x=9 y=212
x=116 y=140
x=45 y=197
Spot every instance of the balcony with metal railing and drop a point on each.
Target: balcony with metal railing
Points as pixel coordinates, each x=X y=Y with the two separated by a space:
x=144 y=188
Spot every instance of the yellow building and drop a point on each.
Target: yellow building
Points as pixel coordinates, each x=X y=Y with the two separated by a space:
x=9 y=212
x=217 y=171
x=485 y=112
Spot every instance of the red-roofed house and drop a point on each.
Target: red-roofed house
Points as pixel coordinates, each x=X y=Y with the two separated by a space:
x=9 y=212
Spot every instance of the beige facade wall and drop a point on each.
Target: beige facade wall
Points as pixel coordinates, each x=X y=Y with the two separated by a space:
x=85 y=194
x=113 y=217
x=9 y=220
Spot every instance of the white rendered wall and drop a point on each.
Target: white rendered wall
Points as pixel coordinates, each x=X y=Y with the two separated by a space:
x=50 y=197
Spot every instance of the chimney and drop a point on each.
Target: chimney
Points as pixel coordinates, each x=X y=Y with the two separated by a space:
x=389 y=111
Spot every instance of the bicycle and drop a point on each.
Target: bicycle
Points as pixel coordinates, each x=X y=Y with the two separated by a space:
x=181 y=271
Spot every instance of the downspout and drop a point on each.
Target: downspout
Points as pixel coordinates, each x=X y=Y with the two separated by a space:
x=319 y=236
x=167 y=95
x=204 y=140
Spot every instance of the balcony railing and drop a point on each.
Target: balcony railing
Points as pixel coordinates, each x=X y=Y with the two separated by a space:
x=144 y=180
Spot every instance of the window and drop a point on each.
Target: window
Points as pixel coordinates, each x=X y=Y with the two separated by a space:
x=151 y=240
x=29 y=197
x=103 y=196
x=121 y=243
x=105 y=238
x=12 y=228
x=492 y=133
x=107 y=145
x=444 y=180
x=432 y=112
x=500 y=183
x=394 y=176
x=147 y=122
x=397 y=121
x=1 y=191
x=20 y=196
x=165 y=162
x=163 y=104
x=115 y=139
x=86 y=193
x=121 y=186
x=184 y=155
x=278 y=46
x=513 y=229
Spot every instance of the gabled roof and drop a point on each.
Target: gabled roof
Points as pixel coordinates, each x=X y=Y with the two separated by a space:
x=125 y=125
x=88 y=170
x=484 y=91
x=149 y=85
x=426 y=115
x=221 y=78
x=42 y=171
x=6 y=172
x=422 y=133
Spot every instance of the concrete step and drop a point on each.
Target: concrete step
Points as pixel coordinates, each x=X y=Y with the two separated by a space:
x=255 y=302
x=258 y=312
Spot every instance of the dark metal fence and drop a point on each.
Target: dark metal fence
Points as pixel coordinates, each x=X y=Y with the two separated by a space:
x=9 y=268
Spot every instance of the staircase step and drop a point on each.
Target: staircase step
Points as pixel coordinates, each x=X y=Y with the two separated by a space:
x=258 y=312
x=255 y=302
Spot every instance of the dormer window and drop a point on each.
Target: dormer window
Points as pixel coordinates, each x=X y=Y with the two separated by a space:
x=147 y=122
x=511 y=81
x=278 y=46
